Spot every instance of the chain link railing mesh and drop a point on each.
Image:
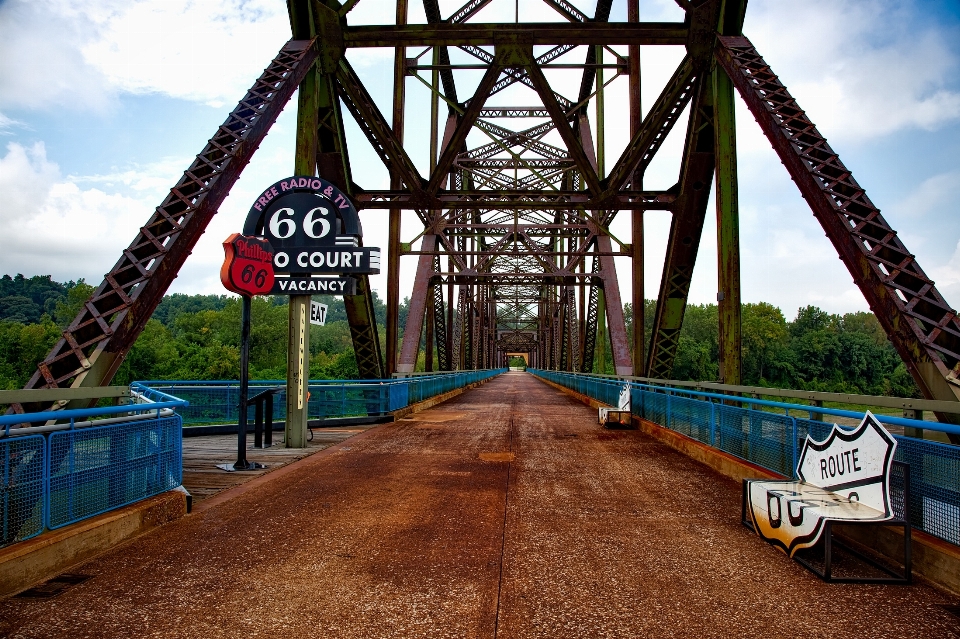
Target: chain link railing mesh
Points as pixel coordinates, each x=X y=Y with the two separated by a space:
x=23 y=462
x=93 y=470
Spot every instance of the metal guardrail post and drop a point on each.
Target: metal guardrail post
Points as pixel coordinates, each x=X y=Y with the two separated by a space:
x=793 y=444
x=912 y=413
x=713 y=424
x=816 y=416
x=669 y=416
x=258 y=425
x=268 y=435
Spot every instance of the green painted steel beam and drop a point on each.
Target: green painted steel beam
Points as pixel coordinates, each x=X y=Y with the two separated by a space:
x=534 y=33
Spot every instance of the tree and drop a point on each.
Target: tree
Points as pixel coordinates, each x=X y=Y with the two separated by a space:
x=68 y=307
x=764 y=340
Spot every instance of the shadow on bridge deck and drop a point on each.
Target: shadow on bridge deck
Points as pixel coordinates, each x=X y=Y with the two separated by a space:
x=504 y=512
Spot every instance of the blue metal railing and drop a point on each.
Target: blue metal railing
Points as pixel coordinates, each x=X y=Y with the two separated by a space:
x=217 y=402
x=773 y=439
x=57 y=470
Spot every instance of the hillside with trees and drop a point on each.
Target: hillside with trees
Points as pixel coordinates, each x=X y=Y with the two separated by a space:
x=197 y=337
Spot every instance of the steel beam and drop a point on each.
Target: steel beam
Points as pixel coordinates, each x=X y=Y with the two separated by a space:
x=685 y=231
x=923 y=328
x=545 y=33
x=636 y=218
x=645 y=143
x=96 y=342
x=397 y=176
x=375 y=128
x=510 y=199
x=614 y=304
x=418 y=303
x=298 y=307
x=728 y=230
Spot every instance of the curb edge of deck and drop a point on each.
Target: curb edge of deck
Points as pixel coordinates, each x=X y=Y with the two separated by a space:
x=32 y=561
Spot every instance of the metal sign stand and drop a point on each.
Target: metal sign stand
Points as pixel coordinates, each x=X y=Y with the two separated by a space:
x=242 y=463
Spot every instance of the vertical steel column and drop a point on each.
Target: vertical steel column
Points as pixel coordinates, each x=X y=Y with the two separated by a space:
x=573 y=329
x=432 y=291
x=636 y=240
x=393 y=248
x=601 y=140
x=418 y=304
x=600 y=346
x=452 y=359
x=619 y=347
x=728 y=229
x=428 y=329
x=298 y=334
x=582 y=317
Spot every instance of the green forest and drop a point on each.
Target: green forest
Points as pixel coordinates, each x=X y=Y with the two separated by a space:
x=197 y=337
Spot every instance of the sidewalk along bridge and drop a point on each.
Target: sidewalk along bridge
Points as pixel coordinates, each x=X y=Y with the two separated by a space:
x=61 y=467
x=503 y=512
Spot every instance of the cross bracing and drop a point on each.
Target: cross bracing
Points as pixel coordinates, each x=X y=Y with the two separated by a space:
x=517 y=195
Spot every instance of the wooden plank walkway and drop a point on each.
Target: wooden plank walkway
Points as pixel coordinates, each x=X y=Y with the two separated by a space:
x=201 y=455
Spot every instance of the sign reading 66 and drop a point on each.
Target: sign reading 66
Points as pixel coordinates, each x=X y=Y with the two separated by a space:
x=301 y=219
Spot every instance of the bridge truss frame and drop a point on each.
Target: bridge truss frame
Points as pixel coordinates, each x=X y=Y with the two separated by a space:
x=502 y=264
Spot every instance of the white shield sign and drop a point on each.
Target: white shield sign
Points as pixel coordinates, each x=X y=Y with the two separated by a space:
x=846 y=477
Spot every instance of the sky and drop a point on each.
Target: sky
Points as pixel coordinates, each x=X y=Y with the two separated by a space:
x=104 y=103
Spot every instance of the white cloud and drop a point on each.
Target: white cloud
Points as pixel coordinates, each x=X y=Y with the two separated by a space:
x=52 y=226
x=40 y=64
x=8 y=123
x=83 y=53
x=934 y=194
x=203 y=51
x=860 y=69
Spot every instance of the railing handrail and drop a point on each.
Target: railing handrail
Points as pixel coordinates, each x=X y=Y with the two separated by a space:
x=218 y=383
x=28 y=395
x=74 y=413
x=885 y=401
x=898 y=421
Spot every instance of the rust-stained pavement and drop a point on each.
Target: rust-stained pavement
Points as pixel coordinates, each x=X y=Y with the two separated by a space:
x=426 y=528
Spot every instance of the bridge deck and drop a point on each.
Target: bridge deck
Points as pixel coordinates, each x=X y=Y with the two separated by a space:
x=504 y=512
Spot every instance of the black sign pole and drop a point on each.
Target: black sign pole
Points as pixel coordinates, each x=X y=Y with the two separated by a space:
x=242 y=463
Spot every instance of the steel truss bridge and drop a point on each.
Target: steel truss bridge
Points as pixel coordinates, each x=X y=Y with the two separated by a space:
x=515 y=249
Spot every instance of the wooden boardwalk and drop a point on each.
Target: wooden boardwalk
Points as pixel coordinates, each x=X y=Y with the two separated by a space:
x=201 y=455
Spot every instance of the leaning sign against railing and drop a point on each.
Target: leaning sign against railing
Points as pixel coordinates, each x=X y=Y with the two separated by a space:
x=844 y=479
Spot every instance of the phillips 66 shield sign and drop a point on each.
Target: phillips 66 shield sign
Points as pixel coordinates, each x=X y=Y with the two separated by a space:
x=248 y=267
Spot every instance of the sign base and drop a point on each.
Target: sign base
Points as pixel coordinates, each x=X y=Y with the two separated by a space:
x=234 y=467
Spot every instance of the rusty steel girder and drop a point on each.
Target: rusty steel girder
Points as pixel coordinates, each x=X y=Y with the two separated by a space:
x=97 y=340
x=921 y=325
x=514 y=199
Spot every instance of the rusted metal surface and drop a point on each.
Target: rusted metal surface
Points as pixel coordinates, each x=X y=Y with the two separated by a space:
x=97 y=340
x=517 y=196
x=504 y=512
x=728 y=231
x=685 y=231
x=396 y=181
x=918 y=320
